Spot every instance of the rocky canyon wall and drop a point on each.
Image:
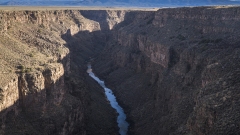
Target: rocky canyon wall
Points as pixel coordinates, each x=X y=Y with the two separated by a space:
x=43 y=82
x=175 y=70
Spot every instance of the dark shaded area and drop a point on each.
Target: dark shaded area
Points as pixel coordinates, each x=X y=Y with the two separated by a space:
x=100 y=117
x=194 y=89
x=37 y=113
x=100 y=16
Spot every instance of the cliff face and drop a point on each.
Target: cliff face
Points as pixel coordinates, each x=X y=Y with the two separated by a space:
x=107 y=19
x=43 y=89
x=175 y=70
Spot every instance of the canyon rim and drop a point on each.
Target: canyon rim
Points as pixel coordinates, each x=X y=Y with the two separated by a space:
x=173 y=71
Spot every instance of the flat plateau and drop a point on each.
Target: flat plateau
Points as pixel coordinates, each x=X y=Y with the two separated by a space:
x=36 y=8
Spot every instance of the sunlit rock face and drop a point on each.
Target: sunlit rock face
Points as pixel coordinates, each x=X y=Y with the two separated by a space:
x=40 y=81
x=9 y=94
x=107 y=19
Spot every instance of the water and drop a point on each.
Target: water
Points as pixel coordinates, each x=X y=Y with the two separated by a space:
x=121 y=119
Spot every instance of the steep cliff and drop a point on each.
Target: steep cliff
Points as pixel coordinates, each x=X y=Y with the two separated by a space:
x=175 y=71
x=43 y=84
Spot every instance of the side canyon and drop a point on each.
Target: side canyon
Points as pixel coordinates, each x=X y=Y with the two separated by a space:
x=173 y=71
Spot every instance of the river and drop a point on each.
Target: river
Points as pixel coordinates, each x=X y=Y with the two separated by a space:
x=121 y=119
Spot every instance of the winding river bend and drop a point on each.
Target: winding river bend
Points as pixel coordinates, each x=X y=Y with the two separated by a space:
x=121 y=119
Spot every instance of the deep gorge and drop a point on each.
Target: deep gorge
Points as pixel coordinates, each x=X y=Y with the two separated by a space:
x=174 y=71
x=121 y=118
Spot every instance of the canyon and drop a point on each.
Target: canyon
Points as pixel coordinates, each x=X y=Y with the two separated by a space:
x=173 y=71
x=121 y=119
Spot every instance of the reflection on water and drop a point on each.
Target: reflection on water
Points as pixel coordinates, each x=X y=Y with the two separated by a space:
x=121 y=119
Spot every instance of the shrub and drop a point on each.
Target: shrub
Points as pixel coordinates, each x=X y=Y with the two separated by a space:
x=24 y=69
x=39 y=31
x=30 y=55
x=20 y=67
x=1 y=95
x=42 y=26
x=27 y=70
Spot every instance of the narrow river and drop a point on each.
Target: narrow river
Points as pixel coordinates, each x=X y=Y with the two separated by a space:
x=121 y=119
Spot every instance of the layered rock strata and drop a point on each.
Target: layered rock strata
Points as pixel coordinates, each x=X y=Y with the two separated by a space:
x=43 y=88
x=175 y=71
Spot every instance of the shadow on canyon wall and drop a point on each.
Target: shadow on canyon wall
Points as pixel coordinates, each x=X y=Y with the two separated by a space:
x=50 y=110
x=99 y=16
x=72 y=104
x=168 y=68
x=62 y=100
x=84 y=46
x=187 y=89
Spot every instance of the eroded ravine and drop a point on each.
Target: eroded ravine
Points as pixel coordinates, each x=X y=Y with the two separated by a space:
x=121 y=119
